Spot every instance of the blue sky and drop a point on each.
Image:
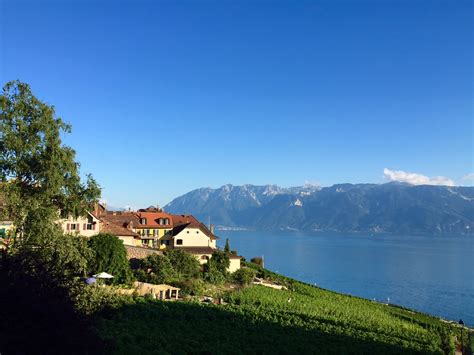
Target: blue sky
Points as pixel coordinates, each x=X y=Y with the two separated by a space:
x=167 y=96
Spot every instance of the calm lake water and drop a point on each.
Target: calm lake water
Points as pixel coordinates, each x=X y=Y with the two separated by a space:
x=431 y=274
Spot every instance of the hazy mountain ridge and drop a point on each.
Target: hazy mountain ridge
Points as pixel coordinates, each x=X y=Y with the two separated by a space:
x=391 y=207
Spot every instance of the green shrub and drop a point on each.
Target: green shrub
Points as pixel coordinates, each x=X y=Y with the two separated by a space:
x=90 y=299
x=244 y=276
x=214 y=276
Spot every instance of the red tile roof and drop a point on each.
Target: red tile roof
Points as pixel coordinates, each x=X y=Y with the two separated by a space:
x=153 y=218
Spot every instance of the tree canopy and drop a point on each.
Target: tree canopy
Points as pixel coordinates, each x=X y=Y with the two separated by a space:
x=156 y=269
x=39 y=177
x=185 y=264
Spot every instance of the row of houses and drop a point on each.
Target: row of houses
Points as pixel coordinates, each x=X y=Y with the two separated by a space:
x=150 y=228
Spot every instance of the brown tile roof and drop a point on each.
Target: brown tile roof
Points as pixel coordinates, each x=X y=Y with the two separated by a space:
x=112 y=228
x=125 y=220
x=181 y=222
x=120 y=224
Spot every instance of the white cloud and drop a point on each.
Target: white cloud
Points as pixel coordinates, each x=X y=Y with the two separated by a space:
x=416 y=179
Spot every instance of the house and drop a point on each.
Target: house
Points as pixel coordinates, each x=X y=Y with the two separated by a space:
x=194 y=237
x=154 y=228
x=6 y=225
x=189 y=232
x=123 y=232
x=86 y=226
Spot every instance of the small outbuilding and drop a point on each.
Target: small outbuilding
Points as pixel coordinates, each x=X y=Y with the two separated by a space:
x=161 y=291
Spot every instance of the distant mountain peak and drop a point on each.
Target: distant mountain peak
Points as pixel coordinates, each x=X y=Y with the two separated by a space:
x=390 y=207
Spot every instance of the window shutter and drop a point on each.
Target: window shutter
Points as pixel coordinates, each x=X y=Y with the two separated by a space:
x=84 y=227
x=68 y=226
x=93 y=226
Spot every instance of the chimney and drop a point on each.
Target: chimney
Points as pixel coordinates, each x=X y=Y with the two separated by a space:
x=212 y=228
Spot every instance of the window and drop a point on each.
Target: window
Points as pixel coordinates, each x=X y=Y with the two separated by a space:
x=187 y=232
x=89 y=226
x=74 y=226
x=165 y=242
x=143 y=221
x=3 y=232
x=197 y=232
x=160 y=221
x=179 y=242
x=167 y=221
x=204 y=257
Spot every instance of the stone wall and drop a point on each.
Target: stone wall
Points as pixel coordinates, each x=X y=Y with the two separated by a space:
x=140 y=252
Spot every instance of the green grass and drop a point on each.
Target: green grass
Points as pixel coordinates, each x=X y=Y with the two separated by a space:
x=261 y=320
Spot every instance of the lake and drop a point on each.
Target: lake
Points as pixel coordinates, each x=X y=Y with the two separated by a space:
x=432 y=274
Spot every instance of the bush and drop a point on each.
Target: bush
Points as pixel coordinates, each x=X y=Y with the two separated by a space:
x=90 y=299
x=244 y=276
x=109 y=255
x=214 y=276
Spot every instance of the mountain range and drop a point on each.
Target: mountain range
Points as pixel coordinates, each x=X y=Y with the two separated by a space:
x=385 y=208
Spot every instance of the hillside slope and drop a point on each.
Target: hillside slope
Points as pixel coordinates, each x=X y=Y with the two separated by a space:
x=262 y=320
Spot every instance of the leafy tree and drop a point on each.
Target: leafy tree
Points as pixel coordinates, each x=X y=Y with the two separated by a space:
x=257 y=261
x=110 y=255
x=215 y=271
x=185 y=264
x=39 y=182
x=219 y=261
x=158 y=269
x=39 y=177
x=227 y=246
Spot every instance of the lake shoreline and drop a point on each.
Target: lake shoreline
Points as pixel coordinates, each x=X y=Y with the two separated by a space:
x=406 y=269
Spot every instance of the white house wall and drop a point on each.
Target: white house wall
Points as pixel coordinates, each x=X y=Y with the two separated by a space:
x=80 y=222
x=193 y=237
